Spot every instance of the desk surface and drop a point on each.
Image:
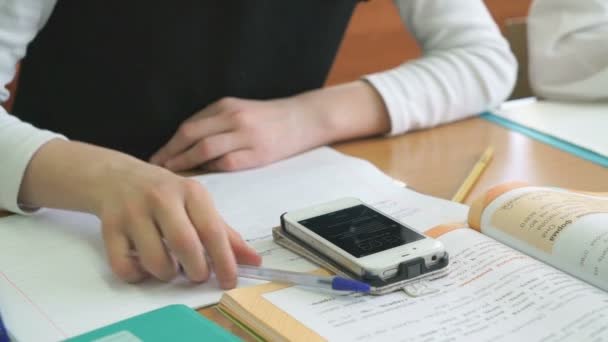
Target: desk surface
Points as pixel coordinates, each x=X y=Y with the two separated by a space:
x=436 y=161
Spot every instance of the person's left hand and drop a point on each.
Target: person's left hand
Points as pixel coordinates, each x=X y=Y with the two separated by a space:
x=233 y=134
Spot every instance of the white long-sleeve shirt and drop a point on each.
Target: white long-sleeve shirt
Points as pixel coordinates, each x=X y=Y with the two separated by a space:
x=568 y=49
x=467 y=67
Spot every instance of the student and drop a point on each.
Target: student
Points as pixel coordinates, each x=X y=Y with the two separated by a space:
x=568 y=49
x=149 y=79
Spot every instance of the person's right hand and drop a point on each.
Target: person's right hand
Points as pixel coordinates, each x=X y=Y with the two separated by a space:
x=166 y=219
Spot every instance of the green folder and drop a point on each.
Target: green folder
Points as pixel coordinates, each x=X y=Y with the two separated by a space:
x=169 y=323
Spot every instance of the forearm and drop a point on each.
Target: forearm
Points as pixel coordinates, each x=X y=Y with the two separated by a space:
x=346 y=111
x=466 y=66
x=70 y=175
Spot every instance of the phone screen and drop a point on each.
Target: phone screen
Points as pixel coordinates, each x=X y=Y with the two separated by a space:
x=361 y=231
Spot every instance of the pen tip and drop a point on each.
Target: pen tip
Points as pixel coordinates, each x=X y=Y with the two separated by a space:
x=343 y=284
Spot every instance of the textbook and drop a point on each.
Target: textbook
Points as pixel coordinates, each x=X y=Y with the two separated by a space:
x=530 y=265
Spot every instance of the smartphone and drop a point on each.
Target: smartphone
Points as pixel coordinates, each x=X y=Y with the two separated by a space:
x=360 y=238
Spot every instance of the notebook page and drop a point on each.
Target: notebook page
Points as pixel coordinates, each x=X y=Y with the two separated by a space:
x=582 y=124
x=253 y=200
x=55 y=282
x=492 y=293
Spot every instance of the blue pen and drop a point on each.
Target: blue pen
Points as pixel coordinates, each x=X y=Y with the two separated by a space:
x=296 y=278
x=304 y=279
x=3 y=332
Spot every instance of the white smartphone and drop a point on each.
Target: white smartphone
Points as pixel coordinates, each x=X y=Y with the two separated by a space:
x=361 y=238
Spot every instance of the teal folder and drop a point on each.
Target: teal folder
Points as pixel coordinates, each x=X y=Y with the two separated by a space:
x=169 y=323
x=563 y=145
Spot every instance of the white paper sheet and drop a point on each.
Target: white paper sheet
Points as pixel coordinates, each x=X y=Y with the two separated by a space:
x=252 y=201
x=493 y=293
x=55 y=282
x=582 y=124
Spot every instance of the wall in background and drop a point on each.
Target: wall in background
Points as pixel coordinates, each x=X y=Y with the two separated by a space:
x=376 y=39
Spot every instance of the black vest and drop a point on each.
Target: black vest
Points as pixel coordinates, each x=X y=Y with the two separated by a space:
x=125 y=73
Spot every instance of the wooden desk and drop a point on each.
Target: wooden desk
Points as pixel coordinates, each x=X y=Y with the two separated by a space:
x=436 y=161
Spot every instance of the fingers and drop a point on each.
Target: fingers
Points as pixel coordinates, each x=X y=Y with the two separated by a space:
x=118 y=252
x=235 y=160
x=212 y=231
x=188 y=134
x=206 y=149
x=183 y=240
x=152 y=253
x=242 y=251
x=169 y=223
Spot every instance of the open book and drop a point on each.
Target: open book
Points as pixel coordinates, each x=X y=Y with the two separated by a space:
x=533 y=268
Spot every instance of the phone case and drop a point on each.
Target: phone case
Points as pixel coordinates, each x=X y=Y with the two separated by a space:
x=408 y=272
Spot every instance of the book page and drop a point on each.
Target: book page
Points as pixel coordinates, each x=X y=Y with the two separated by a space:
x=566 y=229
x=492 y=293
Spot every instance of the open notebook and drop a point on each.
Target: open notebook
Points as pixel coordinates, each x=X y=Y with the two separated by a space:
x=534 y=268
x=55 y=282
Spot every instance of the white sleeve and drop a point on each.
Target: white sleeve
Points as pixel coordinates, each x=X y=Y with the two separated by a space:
x=467 y=66
x=20 y=20
x=568 y=49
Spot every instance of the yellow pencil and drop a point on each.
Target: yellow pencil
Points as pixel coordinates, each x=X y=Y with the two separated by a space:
x=473 y=176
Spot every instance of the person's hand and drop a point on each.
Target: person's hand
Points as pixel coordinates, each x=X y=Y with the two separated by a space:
x=233 y=134
x=170 y=220
x=166 y=219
